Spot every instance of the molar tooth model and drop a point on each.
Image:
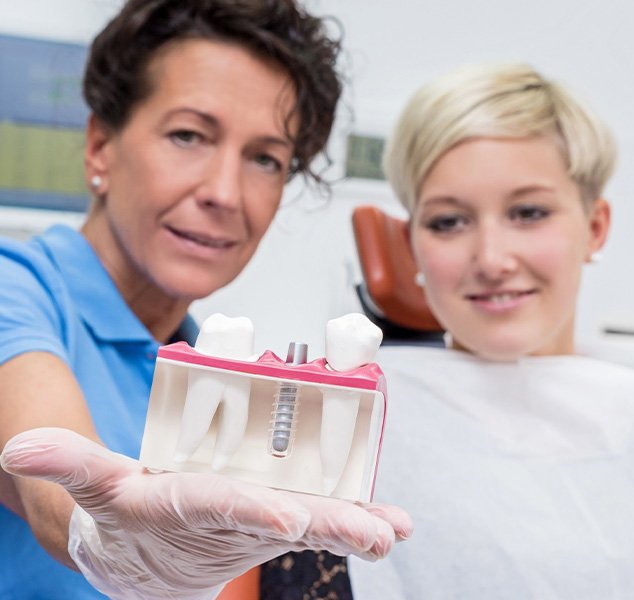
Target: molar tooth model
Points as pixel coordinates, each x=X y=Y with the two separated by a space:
x=211 y=409
x=227 y=338
x=351 y=342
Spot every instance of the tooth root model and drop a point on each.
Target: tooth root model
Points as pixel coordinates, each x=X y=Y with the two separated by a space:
x=222 y=337
x=351 y=342
x=204 y=392
x=233 y=420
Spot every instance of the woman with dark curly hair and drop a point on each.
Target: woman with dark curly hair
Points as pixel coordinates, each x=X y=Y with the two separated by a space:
x=201 y=110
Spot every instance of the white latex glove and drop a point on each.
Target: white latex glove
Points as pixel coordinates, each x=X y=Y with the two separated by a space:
x=140 y=535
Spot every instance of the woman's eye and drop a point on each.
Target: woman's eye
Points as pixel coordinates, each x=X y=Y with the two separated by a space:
x=528 y=214
x=446 y=223
x=185 y=137
x=268 y=162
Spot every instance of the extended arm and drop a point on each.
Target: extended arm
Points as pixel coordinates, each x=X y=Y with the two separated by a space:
x=139 y=535
x=38 y=389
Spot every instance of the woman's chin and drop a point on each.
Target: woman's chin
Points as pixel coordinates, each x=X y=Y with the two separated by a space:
x=494 y=350
x=500 y=356
x=192 y=284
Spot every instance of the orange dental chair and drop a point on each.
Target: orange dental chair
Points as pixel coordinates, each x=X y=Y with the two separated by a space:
x=389 y=295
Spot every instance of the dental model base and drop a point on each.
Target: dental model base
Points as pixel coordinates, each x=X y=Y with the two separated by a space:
x=313 y=427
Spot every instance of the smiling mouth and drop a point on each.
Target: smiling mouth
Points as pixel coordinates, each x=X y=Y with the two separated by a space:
x=499 y=297
x=201 y=239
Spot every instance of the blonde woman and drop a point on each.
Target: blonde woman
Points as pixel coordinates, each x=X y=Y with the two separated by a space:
x=512 y=451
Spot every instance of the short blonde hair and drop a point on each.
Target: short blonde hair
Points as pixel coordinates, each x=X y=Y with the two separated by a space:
x=496 y=101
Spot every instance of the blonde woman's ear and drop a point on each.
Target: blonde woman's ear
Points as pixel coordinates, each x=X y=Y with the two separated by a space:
x=600 y=217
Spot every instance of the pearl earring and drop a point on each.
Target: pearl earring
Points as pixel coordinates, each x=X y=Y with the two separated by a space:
x=596 y=257
x=95 y=182
x=419 y=279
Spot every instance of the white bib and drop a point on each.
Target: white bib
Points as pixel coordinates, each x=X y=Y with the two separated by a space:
x=519 y=478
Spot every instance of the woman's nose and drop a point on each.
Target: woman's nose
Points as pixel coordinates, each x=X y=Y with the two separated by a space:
x=494 y=256
x=221 y=182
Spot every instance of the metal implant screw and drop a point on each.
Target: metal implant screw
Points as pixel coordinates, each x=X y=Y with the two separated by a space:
x=286 y=406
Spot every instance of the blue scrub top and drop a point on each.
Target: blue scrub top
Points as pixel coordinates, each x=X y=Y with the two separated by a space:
x=56 y=296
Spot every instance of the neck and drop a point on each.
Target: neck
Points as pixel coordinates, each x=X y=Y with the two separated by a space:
x=159 y=312
x=160 y=315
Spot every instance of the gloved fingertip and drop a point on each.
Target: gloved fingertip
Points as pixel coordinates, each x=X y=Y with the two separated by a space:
x=18 y=452
x=384 y=542
x=374 y=541
x=403 y=535
x=367 y=556
x=404 y=529
x=62 y=456
x=399 y=519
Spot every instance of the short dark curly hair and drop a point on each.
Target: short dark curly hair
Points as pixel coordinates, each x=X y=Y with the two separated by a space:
x=115 y=78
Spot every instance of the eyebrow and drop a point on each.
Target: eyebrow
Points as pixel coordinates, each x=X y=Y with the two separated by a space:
x=531 y=189
x=215 y=123
x=516 y=194
x=442 y=200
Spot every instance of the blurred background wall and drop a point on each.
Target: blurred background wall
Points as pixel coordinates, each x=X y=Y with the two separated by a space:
x=305 y=270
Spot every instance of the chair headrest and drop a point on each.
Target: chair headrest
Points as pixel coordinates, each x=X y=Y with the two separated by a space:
x=389 y=270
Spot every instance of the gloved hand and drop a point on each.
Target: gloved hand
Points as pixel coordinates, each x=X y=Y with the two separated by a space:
x=140 y=535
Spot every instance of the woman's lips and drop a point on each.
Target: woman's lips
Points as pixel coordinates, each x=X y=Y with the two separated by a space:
x=200 y=243
x=201 y=238
x=500 y=301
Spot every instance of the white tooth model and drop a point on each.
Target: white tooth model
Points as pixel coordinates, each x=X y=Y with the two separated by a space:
x=351 y=342
x=210 y=409
x=222 y=337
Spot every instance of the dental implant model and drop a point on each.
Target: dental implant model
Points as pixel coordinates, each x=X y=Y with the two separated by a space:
x=218 y=407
